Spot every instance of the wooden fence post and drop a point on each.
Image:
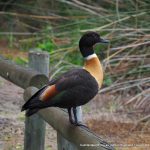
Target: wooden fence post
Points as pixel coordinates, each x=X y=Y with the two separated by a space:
x=79 y=113
x=34 y=125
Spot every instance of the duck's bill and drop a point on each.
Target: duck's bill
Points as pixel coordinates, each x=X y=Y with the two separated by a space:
x=104 y=40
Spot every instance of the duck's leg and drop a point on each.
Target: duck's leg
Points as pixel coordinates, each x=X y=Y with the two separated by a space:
x=76 y=122
x=70 y=116
x=75 y=115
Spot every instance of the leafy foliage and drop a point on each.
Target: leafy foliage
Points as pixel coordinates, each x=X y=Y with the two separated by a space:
x=107 y=81
x=20 y=61
x=46 y=46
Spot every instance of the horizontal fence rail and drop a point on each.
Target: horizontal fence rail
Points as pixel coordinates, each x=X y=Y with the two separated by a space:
x=21 y=76
x=80 y=138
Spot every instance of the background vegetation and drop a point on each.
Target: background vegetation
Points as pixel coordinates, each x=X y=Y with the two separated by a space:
x=56 y=26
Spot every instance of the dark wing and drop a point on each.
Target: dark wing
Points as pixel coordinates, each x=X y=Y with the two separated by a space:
x=58 y=91
x=77 y=86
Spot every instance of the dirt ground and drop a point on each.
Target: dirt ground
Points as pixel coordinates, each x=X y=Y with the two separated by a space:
x=12 y=120
x=118 y=129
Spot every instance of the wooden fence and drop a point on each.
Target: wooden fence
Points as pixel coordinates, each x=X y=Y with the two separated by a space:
x=31 y=79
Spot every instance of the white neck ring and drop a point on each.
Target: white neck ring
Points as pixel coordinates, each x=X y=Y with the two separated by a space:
x=90 y=56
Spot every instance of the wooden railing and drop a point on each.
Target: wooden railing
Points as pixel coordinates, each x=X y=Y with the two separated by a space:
x=69 y=137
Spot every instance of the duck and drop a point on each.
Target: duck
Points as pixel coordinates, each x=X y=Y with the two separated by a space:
x=75 y=87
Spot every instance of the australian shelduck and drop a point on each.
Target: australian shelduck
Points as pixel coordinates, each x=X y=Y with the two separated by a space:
x=75 y=87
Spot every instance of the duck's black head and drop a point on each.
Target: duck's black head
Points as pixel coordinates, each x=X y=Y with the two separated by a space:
x=87 y=41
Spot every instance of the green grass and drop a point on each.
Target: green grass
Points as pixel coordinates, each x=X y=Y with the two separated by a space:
x=20 y=61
